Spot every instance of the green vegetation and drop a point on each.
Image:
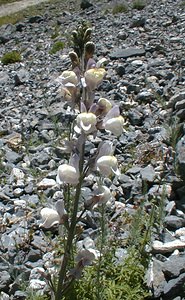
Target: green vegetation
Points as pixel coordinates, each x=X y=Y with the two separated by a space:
x=57 y=46
x=182 y=4
x=6 y=1
x=11 y=57
x=138 y=4
x=119 y=278
x=120 y=8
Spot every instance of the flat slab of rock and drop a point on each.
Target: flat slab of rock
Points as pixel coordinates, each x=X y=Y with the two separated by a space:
x=128 y=52
x=160 y=247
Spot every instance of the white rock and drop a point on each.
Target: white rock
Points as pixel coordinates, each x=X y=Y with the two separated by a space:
x=46 y=183
x=168 y=247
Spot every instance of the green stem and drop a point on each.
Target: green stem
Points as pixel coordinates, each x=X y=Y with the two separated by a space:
x=102 y=242
x=67 y=253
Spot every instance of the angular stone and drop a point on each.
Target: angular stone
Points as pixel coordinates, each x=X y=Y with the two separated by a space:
x=172 y=288
x=148 y=174
x=125 y=53
x=174 y=266
x=174 y=222
x=160 y=247
x=85 y=4
x=176 y=98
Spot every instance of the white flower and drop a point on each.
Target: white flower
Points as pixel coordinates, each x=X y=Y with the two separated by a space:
x=114 y=125
x=50 y=217
x=86 y=257
x=67 y=174
x=86 y=121
x=102 y=195
x=107 y=165
x=93 y=77
x=69 y=82
x=68 y=77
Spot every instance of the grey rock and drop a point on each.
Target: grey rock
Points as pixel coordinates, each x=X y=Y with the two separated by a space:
x=128 y=52
x=21 y=77
x=20 y=295
x=120 y=70
x=174 y=222
x=172 y=287
x=174 y=266
x=85 y=4
x=35 y=19
x=176 y=98
x=145 y=96
x=13 y=157
x=155 y=278
x=148 y=174
x=138 y=21
x=5 y=280
x=135 y=117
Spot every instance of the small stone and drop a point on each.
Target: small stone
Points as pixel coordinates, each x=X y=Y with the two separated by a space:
x=85 y=4
x=46 y=183
x=174 y=222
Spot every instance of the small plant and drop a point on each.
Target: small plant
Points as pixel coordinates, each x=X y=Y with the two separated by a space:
x=138 y=4
x=57 y=46
x=120 y=8
x=11 y=57
x=55 y=33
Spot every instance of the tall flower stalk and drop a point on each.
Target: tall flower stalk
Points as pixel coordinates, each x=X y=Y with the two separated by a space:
x=78 y=88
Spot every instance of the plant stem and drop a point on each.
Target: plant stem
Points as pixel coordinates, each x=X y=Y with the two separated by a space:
x=71 y=233
x=102 y=242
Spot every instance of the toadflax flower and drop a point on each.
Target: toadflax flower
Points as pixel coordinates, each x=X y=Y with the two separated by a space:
x=102 y=195
x=93 y=77
x=107 y=165
x=68 y=77
x=113 y=122
x=84 y=258
x=69 y=173
x=69 y=85
x=51 y=217
x=86 y=122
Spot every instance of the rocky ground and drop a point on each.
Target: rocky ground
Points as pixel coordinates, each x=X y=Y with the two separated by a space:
x=145 y=53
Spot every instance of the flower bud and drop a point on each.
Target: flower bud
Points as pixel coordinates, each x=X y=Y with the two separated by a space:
x=104 y=106
x=89 y=49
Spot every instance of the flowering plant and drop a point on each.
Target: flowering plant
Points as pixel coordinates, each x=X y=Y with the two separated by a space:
x=78 y=86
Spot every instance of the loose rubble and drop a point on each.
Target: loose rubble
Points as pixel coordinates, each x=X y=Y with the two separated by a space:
x=144 y=57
